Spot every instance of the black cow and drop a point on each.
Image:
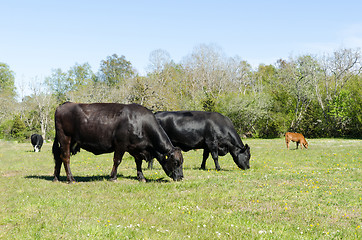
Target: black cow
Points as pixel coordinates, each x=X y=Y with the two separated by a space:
x=210 y=131
x=111 y=127
x=36 y=141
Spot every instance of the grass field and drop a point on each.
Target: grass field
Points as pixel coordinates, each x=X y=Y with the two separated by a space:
x=295 y=194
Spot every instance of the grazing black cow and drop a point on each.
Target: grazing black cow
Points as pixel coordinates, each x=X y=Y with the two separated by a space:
x=111 y=127
x=210 y=131
x=36 y=141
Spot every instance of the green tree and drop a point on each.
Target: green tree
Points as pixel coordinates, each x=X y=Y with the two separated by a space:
x=340 y=69
x=62 y=84
x=345 y=109
x=297 y=77
x=141 y=92
x=7 y=92
x=18 y=130
x=58 y=84
x=7 y=79
x=79 y=75
x=354 y=128
x=115 y=70
x=165 y=87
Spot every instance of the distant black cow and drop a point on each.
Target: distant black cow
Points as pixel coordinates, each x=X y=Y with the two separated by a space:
x=110 y=127
x=37 y=142
x=210 y=131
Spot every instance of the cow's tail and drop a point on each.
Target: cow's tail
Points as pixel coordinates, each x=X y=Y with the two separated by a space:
x=56 y=150
x=58 y=161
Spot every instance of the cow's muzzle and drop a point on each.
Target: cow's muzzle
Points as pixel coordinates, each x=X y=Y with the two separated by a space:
x=177 y=175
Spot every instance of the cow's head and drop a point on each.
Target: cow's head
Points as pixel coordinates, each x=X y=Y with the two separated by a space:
x=242 y=157
x=172 y=164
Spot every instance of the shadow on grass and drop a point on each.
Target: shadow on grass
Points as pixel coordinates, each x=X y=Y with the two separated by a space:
x=210 y=169
x=197 y=169
x=93 y=178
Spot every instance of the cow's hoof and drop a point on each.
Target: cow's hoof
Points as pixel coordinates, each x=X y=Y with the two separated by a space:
x=113 y=179
x=142 y=180
x=55 y=180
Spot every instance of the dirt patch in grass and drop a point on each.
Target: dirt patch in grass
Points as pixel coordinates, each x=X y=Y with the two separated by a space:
x=11 y=174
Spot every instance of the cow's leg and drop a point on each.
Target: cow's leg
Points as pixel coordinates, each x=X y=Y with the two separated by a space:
x=58 y=165
x=117 y=159
x=297 y=144
x=204 y=158
x=66 y=162
x=215 y=156
x=65 y=157
x=150 y=164
x=214 y=153
x=58 y=161
x=62 y=156
x=140 y=176
x=287 y=142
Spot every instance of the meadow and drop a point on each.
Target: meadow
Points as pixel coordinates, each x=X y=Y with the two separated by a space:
x=295 y=194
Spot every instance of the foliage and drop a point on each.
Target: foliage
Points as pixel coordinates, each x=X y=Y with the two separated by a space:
x=6 y=79
x=295 y=194
x=345 y=110
x=208 y=103
x=18 y=129
x=115 y=70
x=59 y=84
x=7 y=93
x=63 y=83
x=5 y=129
x=317 y=96
x=297 y=78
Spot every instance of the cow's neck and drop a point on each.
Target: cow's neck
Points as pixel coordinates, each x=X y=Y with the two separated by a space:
x=162 y=143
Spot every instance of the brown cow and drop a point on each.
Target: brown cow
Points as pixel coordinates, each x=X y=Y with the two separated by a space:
x=295 y=137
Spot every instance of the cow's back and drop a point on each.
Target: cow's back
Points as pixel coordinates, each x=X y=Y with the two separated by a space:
x=101 y=127
x=196 y=127
x=295 y=137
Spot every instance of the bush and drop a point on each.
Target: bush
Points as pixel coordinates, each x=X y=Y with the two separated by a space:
x=5 y=129
x=18 y=130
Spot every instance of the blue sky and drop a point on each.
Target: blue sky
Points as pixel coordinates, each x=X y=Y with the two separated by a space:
x=38 y=36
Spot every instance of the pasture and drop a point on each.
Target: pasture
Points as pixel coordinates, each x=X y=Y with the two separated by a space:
x=295 y=194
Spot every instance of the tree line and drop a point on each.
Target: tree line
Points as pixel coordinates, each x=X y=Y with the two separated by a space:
x=319 y=96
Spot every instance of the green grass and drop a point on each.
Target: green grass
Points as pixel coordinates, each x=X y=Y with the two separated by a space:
x=295 y=194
